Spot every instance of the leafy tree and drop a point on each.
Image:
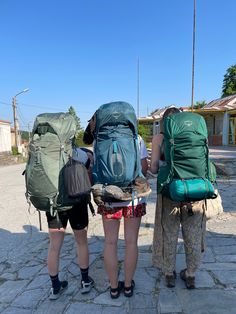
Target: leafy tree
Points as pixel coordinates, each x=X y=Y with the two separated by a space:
x=24 y=135
x=200 y=104
x=72 y=111
x=229 y=82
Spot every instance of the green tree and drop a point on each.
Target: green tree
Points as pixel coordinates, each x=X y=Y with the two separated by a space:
x=229 y=82
x=24 y=135
x=72 y=111
x=200 y=104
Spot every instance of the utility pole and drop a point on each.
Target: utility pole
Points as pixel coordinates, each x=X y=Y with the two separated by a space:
x=193 y=60
x=14 y=116
x=138 y=89
x=15 y=121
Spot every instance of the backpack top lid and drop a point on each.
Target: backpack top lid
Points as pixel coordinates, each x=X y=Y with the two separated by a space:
x=179 y=123
x=63 y=124
x=115 y=113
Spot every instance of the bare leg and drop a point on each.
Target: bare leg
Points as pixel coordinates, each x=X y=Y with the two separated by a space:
x=56 y=240
x=131 y=228
x=82 y=247
x=111 y=230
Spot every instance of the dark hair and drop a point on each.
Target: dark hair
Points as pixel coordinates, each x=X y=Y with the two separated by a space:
x=168 y=112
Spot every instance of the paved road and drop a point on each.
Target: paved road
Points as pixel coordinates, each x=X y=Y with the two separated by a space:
x=24 y=283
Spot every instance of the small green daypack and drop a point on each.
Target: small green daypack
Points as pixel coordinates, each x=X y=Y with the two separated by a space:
x=188 y=173
x=50 y=150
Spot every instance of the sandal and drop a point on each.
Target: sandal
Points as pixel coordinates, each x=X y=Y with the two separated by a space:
x=189 y=281
x=128 y=291
x=115 y=292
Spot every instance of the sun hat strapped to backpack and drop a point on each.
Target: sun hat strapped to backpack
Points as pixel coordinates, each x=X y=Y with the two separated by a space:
x=50 y=151
x=187 y=173
x=116 y=147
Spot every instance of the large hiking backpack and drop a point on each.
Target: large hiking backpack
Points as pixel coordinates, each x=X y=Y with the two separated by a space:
x=50 y=150
x=116 y=150
x=187 y=172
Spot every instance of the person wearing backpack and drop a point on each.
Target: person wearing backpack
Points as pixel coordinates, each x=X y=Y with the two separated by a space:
x=78 y=218
x=112 y=212
x=51 y=176
x=171 y=213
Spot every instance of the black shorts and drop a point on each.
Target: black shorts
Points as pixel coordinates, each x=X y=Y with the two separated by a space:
x=77 y=216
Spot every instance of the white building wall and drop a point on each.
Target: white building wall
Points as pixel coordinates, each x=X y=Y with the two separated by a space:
x=225 y=129
x=5 y=137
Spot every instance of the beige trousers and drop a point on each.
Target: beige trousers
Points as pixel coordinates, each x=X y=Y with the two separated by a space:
x=169 y=217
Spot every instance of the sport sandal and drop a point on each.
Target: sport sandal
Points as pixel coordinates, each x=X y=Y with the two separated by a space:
x=115 y=292
x=189 y=281
x=128 y=291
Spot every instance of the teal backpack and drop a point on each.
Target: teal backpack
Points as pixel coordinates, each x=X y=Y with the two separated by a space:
x=116 y=149
x=187 y=173
x=50 y=150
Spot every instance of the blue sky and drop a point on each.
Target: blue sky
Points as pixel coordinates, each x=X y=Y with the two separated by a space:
x=84 y=53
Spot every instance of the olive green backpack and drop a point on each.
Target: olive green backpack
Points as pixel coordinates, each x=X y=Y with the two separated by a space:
x=50 y=149
x=188 y=173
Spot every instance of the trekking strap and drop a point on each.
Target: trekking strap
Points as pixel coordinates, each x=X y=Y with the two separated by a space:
x=91 y=208
x=136 y=144
x=204 y=211
x=40 y=220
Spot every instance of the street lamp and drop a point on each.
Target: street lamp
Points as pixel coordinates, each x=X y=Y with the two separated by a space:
x=14 y=115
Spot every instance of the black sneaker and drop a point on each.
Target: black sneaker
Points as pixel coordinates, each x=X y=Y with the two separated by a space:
x=54 y=294
x=87 y=286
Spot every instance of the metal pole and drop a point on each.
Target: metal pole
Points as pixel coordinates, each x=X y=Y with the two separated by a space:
x=15 y=120
x=138 y=89
x=193 y=60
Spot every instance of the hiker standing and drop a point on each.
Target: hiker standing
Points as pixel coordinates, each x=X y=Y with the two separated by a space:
x=169 y=215
x=112 y=212
x=78 y=218
x=50 y=156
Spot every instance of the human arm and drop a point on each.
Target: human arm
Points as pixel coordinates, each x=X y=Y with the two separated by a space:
x=143 y=156
x=156 y=152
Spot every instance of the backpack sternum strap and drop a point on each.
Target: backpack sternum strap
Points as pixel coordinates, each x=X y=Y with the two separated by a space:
x=115 y=149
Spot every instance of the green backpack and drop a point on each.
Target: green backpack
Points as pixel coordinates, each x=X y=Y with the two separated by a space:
x=49 y=152
x=187 y=173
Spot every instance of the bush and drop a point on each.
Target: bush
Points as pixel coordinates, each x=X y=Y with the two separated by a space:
x=14 y=150
x=145 y=131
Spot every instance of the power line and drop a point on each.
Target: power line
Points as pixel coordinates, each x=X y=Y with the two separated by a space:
x=4 y=103
x=21 y=116
x=53 y=108
x=43 y=107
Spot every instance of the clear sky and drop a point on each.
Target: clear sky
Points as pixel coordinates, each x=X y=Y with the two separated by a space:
x=84 y=53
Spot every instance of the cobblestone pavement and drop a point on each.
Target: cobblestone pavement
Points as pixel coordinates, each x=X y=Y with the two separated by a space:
x=24 y=281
